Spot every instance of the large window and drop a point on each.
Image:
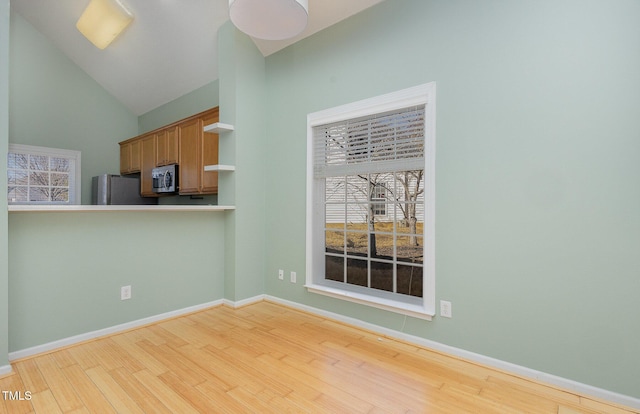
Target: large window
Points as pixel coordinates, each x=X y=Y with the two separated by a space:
x=370 y=201
x=39 y=175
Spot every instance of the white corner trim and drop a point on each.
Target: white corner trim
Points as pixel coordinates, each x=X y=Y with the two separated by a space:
x=243 y=302
x=560 y=382
x=5 y=369
x=51 y=346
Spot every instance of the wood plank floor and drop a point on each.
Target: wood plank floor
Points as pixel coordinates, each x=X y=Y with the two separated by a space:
x=266 y=358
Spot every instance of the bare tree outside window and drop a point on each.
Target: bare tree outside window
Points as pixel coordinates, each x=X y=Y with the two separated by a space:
x=40 y=178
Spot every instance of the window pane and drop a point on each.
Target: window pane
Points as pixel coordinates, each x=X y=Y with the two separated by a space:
x=334 y=241
x=60 y=180
x=357 y=243
x=60 y=194
x=409 y=248
x=39 y=162
x=39 y=178
x=335 y=189
x=381 y=245
x=382 y=276
x=335 y=215
x=17 y=194
x=357 y=216
x=18 y=161
x=357 y=272
x=334 y=268
x=410 y=280
x=357 y=187
x=17 y=177
x=60 y=164
x=39 y=194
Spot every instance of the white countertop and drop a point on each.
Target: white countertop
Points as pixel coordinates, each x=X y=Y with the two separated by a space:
x=90 y=208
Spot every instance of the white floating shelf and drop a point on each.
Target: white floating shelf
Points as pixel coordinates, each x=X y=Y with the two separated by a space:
x=219 y=167
x=218 y=127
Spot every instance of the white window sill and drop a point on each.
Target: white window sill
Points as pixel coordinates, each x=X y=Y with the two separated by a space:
x=408 y=309
x=103 y=208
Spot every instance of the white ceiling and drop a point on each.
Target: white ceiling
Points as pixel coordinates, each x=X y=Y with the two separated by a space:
x=170 y=49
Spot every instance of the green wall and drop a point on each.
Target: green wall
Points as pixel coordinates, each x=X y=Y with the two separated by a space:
x=538 y=192
x=4 y=143
x=242 y=104
x=196 y=101
x=53 y=103
x=61 y=289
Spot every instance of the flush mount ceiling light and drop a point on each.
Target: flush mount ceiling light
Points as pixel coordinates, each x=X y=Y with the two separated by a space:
x=269 y=19
x=102 y=21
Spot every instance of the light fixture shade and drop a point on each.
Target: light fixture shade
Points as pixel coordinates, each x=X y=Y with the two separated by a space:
x=269 y=19
x=102 y=21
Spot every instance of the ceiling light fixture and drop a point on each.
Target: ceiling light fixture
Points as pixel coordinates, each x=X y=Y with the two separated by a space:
x=270 y=19
x=103 y=20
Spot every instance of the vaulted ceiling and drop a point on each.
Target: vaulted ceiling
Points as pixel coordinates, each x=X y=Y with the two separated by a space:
x=170 y=49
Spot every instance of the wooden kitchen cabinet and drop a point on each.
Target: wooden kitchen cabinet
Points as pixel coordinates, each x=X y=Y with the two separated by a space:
x=184 y=143
x=148 y=162
x=130 y=156
x=189 y=161
x=209 y=155
x=197 y=149
x=167 y=147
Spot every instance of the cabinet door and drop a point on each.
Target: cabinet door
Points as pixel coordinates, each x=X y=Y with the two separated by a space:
x=209 y=156
x=135 y=156
x=161 y=157
x=190 y=133
x=125 y=158
x=148 y=163
x=172 y=145
x=130 y=157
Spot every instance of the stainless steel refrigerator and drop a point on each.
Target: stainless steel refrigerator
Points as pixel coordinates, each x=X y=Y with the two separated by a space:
x=111 y=189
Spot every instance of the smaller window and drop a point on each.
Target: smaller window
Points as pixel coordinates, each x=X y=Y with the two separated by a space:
x=40 y=175
x=378 y=200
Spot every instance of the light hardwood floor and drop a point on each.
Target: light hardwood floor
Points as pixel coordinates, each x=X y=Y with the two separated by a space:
x=266 y=358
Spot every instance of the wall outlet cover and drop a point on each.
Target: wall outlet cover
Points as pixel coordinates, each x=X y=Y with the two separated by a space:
x=125 y=292
x=445 y=308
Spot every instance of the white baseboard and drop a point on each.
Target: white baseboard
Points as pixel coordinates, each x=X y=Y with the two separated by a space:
x=5 y=369
x=563 y=383
x=51 y=346
x=244 y=302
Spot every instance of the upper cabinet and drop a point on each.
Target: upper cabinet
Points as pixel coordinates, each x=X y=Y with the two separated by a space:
x=167 y=140
x=209 y=153
x=130 y=157
x=197 y=149
x=184 y=143
x=148 y=157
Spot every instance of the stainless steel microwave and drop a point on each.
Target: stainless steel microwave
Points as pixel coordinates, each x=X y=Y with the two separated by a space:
x=165 y=179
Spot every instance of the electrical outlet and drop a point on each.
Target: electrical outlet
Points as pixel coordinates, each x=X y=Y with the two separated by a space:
x=125 y=292
x=445 y=308
x=293 y=277
x=281 y=274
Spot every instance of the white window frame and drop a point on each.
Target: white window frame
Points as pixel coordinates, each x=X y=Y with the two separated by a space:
x=75 y=196
x=424 y=307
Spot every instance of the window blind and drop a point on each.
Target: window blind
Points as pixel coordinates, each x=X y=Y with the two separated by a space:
x=378 y=143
